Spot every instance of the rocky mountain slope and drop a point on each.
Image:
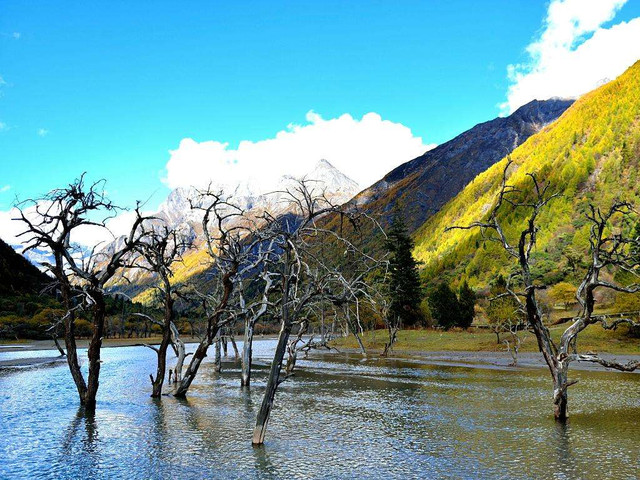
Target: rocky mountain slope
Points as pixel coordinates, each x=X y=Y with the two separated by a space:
x=176 y=212
x=419 y=188
x=416 y=189
x=590 y=155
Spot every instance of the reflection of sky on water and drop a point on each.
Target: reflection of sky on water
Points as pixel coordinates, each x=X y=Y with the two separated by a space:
x=339 y=417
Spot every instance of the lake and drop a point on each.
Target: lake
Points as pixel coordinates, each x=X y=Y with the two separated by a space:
x=339 y=417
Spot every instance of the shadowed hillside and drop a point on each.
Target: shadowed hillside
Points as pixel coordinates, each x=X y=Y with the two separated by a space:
x=419 y=188
x=17 y=275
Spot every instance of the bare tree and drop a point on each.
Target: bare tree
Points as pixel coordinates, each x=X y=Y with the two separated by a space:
x=606 y=251
x=224 y=230
x=180 y=350
x=380 y=303
x=296 y=345
x=514 y=340
x=217 y=361
x=81 y=279
x=353 y=323
x=306 y=278
x=161 y=249
x=252 y=312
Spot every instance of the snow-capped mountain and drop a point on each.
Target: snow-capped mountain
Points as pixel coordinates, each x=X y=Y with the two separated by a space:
x=36 y=256
x=177 y=213
x=336 y=184
x=177 y=209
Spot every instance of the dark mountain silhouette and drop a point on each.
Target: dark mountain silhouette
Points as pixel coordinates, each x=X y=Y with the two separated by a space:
x=17 y=275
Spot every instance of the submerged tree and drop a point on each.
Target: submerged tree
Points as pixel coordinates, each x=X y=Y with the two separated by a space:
x=253 y=311
x=608 y=251
x=161 y=249
x=305 y=277
x=224 y=231
x=81 y=277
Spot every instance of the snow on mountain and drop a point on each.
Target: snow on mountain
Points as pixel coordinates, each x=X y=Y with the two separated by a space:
x=324 y=178
x=177 y=213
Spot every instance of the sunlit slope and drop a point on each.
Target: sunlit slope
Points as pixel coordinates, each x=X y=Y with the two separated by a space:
x=590 y=154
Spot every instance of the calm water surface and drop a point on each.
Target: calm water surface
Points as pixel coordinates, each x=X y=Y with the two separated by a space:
x=339 y=417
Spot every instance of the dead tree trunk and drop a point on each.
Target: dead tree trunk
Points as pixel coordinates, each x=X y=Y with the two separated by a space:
x=95 y=345
x=72 y=350
x=251 y=316
x=247 y=346
x=67 y=209
x=163 y=347
x=236 y=354
x=560 y=397
x=194 y=365
x=609 y=251
x=58 y=346
x=180 y=349
x=262 y=421
x=356 y=327
x=306 y=278
x=227 y=252
x=292 y=349
x=212 y=331
x=393 y=332
x=273 y=381
x=69 y=321
x=218 y=358
x=224 y=341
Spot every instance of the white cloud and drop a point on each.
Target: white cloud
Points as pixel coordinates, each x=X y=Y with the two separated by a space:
x=43 y=132
x=6 y=188
x=3 y=126
x=574 y=54
x=363 y=149
x=9 y=229
x=88 y=235
x=16 y=35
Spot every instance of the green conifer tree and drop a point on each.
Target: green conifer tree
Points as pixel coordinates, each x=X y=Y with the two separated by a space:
x=404 y=280
x=467 y=302
x=444 y=306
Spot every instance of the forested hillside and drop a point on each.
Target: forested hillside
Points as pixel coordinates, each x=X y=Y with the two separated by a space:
x=590 y=155
x=24 y=310
x=17 y=275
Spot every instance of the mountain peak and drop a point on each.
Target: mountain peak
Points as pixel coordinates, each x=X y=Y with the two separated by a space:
x=324 y=163
x=333 y=180
x=423 y=185
x=541 y=112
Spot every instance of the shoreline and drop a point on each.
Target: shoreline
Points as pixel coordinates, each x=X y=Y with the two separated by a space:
x=487 y=360
x=34 y=345
x=464 y=359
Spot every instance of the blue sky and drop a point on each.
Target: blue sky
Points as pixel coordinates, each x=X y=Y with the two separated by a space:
x=113 y=88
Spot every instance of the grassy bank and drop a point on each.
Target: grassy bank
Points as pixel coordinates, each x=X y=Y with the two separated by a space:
x=594 y=338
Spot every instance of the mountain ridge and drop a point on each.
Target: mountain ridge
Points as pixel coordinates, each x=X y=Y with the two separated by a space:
x=423 y=185
x=591 y=154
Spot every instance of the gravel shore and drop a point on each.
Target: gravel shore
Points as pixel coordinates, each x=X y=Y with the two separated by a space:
x=494 y=360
